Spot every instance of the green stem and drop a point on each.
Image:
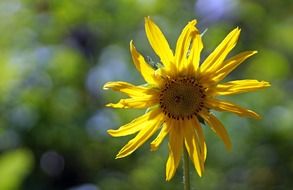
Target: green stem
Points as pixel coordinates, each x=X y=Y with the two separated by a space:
x=186 y=176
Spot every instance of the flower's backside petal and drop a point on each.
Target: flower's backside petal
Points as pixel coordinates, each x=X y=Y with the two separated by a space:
x=150 y=127
x=218 y=128
x=158 y=42
x=141 y=65
x=226 y=106
x=239 y=86
x=175 y=149
x=214 y=61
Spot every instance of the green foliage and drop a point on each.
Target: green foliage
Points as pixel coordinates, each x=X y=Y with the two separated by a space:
x=15 y=165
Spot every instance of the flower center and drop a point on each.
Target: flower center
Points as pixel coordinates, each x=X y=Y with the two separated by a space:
x=182 y=97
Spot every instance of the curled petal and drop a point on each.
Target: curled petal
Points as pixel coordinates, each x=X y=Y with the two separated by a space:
x=218 y=128
x=159 y=139
x=239 y=86
x=145 y=69
x=194 y=57
x=183 y=44
x=130 y=89
x=135 y=102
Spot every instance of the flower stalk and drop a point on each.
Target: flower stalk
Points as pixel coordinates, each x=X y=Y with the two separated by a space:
x=186 y=173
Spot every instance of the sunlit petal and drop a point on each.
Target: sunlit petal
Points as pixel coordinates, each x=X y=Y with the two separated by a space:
x=159 y=139
x=194 y=57
x=230 y=64
x=144 y=134
x=214 y=61
x=201 y=139
x=226 y=106
x=192 y=146
x=135 y=125
x=240 y=86
x=175 y=149
x=130 y=89
x=218 y=128
x=183 y=44
x=158 y=42
x=135 y=102
x=146 y=70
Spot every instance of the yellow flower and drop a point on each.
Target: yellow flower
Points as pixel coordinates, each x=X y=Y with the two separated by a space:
x=180 y=93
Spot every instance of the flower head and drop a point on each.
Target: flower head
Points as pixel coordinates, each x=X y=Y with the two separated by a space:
x=180 y=93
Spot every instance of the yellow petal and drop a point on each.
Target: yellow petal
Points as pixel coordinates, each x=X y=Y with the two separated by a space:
x=129 y=89
x=183 y=44
x=221 y=105
x=192 y=146
x=199 y=131
x=158 y=42
x=134 y=126
x=194 y=57
x=214 y=61
x=145 y=69
x=205 y=151
x=159 y=139
x=218 y=128
x=136 y=102
x=230 y=64
x=150 y=128
x=175 y=149
x=240 y=86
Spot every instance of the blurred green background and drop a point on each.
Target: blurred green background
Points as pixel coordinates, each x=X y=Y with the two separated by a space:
x=55 y=55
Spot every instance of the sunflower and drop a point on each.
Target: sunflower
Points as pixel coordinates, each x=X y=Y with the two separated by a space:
x=179 y=93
